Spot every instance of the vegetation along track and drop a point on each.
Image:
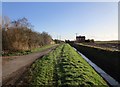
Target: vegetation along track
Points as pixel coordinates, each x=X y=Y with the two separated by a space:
x=62 y=67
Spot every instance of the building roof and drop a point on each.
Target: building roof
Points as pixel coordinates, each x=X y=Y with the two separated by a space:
x=80 y=36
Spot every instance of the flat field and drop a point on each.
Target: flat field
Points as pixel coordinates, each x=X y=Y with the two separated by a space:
x=110 y=45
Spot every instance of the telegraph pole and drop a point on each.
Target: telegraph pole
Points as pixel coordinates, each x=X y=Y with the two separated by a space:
x=76 y=34
x=60 y=38
x=57 y=37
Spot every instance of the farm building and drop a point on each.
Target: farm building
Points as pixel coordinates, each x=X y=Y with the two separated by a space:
x=80 y=39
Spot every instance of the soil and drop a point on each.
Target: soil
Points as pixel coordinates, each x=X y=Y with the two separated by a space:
x=113 y=46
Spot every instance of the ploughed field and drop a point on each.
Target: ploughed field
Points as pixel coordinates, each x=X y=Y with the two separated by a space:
x=110 y=45
x=62 y=66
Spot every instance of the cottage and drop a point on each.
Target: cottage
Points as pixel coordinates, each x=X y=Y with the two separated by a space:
x=80 y=39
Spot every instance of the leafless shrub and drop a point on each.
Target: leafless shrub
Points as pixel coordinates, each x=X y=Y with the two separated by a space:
x=18 y=35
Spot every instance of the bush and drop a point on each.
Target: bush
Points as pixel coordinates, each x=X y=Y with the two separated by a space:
x=19 y=36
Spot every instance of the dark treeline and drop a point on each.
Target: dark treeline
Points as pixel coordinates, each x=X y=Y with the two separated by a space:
x=18 y=35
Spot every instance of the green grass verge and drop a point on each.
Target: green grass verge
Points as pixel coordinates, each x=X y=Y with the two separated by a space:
x=19 y=53
x=63 y=67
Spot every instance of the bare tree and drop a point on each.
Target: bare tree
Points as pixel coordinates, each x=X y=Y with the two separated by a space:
x=23 y=22
x=6 y=22
x=0 y=22
x=21 y=36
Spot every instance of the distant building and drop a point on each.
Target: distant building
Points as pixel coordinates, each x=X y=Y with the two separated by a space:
x=80 y=39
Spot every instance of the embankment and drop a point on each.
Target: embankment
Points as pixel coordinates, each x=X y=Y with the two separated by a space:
x=62 y=67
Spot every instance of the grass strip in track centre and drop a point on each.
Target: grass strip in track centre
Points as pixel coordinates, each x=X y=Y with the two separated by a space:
x=63 y=67
x=42 y=71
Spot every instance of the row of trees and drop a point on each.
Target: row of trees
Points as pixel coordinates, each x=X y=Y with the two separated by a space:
x=18 y=35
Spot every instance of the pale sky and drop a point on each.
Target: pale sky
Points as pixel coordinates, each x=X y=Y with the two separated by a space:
x=95 y=20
